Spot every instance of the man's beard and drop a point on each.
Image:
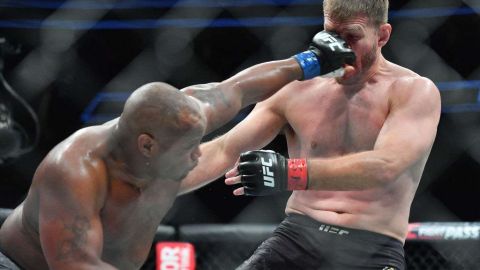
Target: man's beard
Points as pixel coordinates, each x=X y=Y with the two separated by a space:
x=368 y=59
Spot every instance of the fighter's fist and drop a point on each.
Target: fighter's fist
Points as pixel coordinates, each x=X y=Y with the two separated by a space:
x=326 y=56
x=266 y=172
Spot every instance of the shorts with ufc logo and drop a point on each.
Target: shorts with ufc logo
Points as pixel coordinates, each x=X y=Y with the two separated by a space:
x=300 y=242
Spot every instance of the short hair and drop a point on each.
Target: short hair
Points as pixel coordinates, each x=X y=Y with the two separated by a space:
x=375 y=10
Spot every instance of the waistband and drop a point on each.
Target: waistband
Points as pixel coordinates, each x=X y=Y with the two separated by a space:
x=343 y=231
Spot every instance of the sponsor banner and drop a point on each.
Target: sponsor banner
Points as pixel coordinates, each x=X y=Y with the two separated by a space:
x=444 y=231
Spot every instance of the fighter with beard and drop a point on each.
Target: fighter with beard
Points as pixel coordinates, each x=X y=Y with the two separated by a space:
x=357 y=148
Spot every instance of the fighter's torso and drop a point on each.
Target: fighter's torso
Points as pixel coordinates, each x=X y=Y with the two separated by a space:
x=327 y=120
x=129 y=220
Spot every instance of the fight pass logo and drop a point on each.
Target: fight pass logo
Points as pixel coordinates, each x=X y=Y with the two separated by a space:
x=444 y=231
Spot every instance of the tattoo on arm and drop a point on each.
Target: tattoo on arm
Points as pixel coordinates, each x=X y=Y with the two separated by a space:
x=77 y=231
x=208 y=93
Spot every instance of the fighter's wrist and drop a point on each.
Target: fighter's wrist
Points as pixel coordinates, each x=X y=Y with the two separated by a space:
x=309 y=64
x=297 y=174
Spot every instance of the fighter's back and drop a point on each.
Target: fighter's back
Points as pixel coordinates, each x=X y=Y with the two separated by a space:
x=19 y=235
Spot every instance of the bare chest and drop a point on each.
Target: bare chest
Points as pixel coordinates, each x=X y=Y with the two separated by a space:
x=130 y=219
x=335 y=124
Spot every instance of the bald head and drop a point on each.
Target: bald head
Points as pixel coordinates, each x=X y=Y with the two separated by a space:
x=160 y=110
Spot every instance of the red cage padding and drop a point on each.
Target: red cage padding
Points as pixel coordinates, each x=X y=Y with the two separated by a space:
x=175 y=256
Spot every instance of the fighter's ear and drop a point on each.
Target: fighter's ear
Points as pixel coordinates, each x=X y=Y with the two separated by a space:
x=384 y=34
x=147 y=145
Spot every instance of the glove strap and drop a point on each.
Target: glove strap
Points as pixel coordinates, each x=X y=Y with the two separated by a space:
x=297 y=174
x=308 y=61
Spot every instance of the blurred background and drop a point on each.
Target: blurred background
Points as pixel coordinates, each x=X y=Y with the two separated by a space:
x=75 y=62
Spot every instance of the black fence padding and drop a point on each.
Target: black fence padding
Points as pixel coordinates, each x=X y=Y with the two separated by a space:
x=223 y=247
x=443 y=254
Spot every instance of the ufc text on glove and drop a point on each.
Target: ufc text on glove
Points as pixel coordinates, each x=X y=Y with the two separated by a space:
x=264 y=172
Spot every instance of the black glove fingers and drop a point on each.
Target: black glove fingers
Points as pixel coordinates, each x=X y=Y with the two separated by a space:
x=262 y=172
x=248 y=180
x=248 y=156
x=248 y=168
x=249 y=191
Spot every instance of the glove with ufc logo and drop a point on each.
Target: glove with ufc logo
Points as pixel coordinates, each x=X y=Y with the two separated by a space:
x=326 y=56
x=264 y=172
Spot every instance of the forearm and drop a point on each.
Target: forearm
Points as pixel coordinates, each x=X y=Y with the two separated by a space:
x=352 y=172
x=261 y=81
x=222 y=101
x=72 y=254
x=256 y=84
x=212 y=165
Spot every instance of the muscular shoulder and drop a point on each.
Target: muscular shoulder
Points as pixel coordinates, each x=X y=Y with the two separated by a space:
x=409 y=87
x=73 y=167
x=406 y=82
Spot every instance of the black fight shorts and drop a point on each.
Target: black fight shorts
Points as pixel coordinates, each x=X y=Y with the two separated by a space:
x=300 y=242
x=6 y=263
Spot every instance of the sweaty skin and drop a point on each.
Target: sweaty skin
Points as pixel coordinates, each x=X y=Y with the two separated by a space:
x=352 y=123
x=117 y=216
x=97 y=198
x=366 y=137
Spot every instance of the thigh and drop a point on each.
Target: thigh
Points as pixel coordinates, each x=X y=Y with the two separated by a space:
x=284 y=250
x=271 y=254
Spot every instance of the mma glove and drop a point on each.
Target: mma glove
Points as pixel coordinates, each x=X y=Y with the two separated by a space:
x=264 y=172
x=326 y=56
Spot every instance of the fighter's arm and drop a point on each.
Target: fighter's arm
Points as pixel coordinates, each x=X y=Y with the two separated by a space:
x=222 y=101
x=254 y=132
x=327 y=55
x=70 y=230
x=404 y=140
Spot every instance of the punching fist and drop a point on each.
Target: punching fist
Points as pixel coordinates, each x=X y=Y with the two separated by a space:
x=265 y=172
x=326 y=56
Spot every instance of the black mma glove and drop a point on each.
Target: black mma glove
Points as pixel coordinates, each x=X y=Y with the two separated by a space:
x=265 y=172
x=326 y=56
